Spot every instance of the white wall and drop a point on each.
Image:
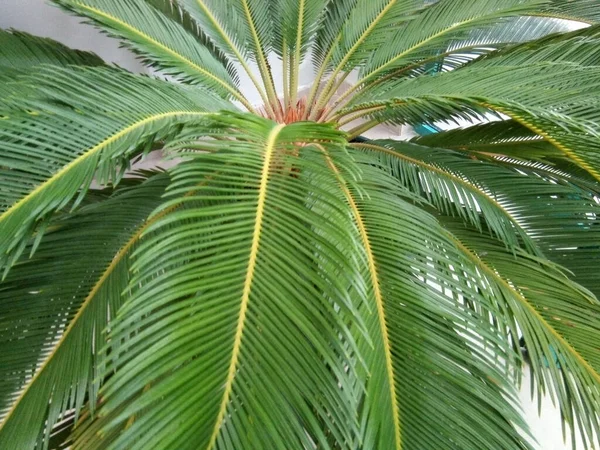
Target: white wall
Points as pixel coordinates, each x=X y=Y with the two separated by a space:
x=36 y=17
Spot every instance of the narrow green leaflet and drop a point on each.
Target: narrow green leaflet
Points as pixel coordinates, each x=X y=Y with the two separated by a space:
x=51 y=155
x=55 y=308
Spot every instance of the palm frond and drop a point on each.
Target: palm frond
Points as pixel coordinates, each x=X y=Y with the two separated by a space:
x=239 y=285
x=423 y=354
x=294 y=26
x=173 y=10
x=51 y=156
x=558 y=320
x=54 y=312
x=160 y=41
x=438 y=26
x=512 y=143
x=577 y=10
x=553 y=216
x=437 y=178
x=558 y=104
x=577 y=47
x=22 y=51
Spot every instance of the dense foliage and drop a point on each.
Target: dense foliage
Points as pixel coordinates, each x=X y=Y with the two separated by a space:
x=290 y=284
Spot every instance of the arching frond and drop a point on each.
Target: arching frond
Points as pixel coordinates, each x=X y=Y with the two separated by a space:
x=51 y=156
x=241 y=287
x=438 y=179
x=438 y=26
x=561 y=112
x=54 y=312
x=509 y=141
x=424 y=351
x=22 y=51
x=160 y=40
x=558 y=320
x=578 y=10
x=554 y=215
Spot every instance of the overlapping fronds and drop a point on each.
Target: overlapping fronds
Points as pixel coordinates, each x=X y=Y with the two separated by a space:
x=546 y=98
x=52 y=154
x=160 y=40
x=23 y=51
x=427 y=352
x=54 y=312
x=510 y=142
x=282 y=287
x=20 y=53
x=432 y=175
x=554 y=215
x=577 y=10
x=557 y=319
x=239 y=285
x=438 y=26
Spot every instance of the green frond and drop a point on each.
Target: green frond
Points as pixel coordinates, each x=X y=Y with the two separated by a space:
x=159 y=40
x=578 y=10
x=437 y=27
x=23 y=51
x=175 y=11
x=553 y=215
x=55 y=308
x=556 y=101
x=512 y=143
x=437 y=178
x=242 y=29
x=20 y=53
x=295 y=24
x=368 y=26
x=557 y=318
x=239 y=285
x=424 y=360
x=51 y=154
x=577 y=47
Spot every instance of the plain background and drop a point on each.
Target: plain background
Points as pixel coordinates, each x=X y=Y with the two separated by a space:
x=37 y=17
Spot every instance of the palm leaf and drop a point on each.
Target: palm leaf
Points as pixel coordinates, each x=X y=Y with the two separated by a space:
x=438 y=26
x=160 y=40
x=558 y=320
x=562 y=113
x=21 y=52
x=555 y=216
x=54 y=311
x=578 y=10
x=512 y=143
x=50 y=156
x=242 y=292
x=437 y=177
x=419 y=363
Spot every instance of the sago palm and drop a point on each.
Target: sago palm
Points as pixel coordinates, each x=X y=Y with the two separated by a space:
x=289 y=284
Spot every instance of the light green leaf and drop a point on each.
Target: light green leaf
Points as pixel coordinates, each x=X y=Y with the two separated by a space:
x=51 y=156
